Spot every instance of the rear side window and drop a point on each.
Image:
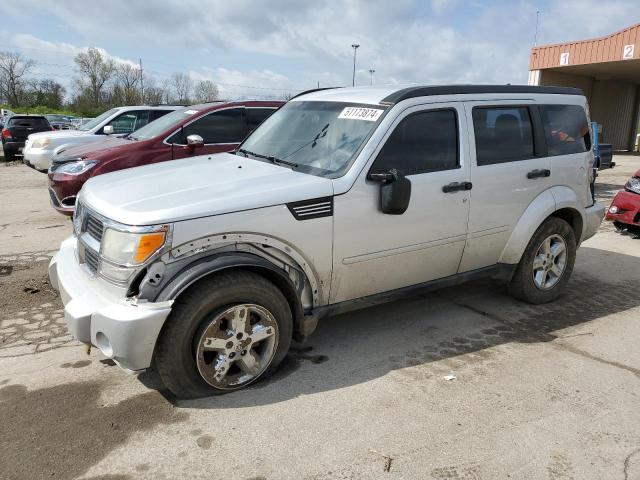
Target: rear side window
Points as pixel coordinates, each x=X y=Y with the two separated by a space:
x=28 y=122
x=223 y=126
x=255 y=116
x=566 y=129
x=422 y=142
x=503 y=134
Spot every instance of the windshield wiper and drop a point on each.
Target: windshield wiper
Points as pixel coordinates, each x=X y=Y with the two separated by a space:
x=271 y=158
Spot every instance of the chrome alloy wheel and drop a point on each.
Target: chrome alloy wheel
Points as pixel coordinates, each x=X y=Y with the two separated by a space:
x=237 y=346
x=550 y=262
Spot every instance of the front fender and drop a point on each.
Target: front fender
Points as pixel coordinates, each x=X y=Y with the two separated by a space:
x=164 y=282
x=167 y=281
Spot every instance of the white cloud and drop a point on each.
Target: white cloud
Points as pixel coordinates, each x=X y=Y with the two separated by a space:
x=293 y=44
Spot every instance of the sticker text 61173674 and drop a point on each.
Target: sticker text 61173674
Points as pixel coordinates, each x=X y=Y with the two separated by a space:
x=361 y=113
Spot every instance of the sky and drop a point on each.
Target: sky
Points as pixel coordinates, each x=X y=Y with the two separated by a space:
x=266 y=49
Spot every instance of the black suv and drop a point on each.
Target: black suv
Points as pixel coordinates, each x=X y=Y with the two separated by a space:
x=16 y=131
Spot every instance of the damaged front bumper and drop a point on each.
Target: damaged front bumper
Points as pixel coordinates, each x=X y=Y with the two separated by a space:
x=99 y=314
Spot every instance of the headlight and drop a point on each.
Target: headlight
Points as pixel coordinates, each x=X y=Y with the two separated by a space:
x=633 y=184
x=40 y=143
x=75 y=168
x=127 y=248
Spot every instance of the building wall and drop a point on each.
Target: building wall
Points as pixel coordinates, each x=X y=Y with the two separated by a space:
x=614 y=105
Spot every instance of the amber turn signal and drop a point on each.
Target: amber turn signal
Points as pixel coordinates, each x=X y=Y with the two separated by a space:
x=149 y=243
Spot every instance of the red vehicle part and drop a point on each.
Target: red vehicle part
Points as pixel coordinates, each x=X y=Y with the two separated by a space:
x=625 y=207
x=120 y=153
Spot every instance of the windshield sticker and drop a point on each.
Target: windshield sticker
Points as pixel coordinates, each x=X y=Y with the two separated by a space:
x=190 y=112
x=359 y=113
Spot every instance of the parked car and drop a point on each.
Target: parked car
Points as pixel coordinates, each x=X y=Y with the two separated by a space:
x=16 y=131
x=624 y=211
x=5 y=114
x=200 y=129
x=60 y=122
x=343 y=198
x=120 y=121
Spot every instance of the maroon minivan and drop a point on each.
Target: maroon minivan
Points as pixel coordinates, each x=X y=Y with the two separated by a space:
x=195 y=130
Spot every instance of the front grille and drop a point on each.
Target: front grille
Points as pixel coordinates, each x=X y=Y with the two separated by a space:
x=91 y=258
x=94 y=227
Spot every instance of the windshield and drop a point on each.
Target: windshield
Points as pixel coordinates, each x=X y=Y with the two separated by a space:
x=162 y=124
x=98 y=120
x=320 y=138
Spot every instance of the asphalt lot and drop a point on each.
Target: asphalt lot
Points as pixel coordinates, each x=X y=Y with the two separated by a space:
x=540 y=392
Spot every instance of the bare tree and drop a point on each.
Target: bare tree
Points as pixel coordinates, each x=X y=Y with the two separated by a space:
x=205 y=91
x=13 y=68
x=180 y=86
x=128 y=78
x=95 y=71
x=152 y=93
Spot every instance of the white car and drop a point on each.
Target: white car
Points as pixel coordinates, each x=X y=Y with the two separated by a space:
x=207 y=267
x=40 y=148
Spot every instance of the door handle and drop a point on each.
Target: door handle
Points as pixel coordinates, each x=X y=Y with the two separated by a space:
x=457 y=186
x=539 y=173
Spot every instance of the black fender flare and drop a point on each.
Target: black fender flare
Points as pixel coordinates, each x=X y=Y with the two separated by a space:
x=164 y=282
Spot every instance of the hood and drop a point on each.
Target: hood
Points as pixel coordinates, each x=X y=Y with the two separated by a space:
x=58 y=134
x=197 y=187
x=91 y=146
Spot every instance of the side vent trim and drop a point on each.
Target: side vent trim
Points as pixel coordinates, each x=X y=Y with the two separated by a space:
x=310 y=209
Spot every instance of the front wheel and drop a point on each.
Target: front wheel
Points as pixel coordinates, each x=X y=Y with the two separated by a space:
x=547 y=263
x=223 y=334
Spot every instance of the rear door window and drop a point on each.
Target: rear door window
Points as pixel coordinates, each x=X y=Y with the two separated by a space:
x=566 y=129
x=422 y=142
x=503 y=134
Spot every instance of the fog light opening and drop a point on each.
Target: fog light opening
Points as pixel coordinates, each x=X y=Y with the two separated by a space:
x=103 y=344
x=68 y=201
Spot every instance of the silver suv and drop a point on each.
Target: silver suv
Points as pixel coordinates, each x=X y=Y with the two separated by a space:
x=208 y=267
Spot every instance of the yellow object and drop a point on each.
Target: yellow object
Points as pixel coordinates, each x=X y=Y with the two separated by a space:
x=148 y=244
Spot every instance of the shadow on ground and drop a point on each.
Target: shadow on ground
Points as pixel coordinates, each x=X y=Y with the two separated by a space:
x=453 y=328
x=62 y=431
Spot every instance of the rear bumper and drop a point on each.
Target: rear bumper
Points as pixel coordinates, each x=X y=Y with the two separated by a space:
x=13 y=147
x=98 y=313
x=628 y=205
x=593 y=218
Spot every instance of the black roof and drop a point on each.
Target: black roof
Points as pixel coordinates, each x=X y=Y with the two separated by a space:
x=425 y=91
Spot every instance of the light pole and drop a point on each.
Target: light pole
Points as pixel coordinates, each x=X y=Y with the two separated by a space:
x=371 y=72
x=355 y=47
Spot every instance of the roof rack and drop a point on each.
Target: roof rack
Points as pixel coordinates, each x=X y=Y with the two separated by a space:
x=311 y=91
x=412 y=92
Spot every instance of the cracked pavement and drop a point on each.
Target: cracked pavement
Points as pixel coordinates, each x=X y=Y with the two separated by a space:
x=538 y=392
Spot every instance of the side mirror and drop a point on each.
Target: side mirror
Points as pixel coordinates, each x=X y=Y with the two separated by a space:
x=108 y=130
x=395 y=191
x=195 y=141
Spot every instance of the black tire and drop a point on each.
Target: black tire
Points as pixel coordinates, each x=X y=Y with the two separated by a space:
x=9 y=156
x=522 y=285
x=175 y=351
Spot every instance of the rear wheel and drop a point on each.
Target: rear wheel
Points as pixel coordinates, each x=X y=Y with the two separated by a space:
x=223 y=334
x=547 y=263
